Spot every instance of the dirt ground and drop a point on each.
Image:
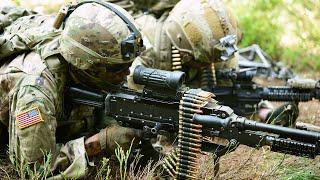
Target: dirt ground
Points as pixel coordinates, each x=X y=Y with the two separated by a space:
x=6 y=169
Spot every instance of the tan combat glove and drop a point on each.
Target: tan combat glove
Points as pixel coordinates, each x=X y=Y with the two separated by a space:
x=110 y=136
x=105 y=140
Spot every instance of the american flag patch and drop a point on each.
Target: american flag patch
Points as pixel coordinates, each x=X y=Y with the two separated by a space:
x=29 y=118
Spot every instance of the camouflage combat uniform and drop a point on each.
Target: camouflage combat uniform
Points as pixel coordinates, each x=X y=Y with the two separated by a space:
x=33 y=105
x=33 y=81
x=8 y=14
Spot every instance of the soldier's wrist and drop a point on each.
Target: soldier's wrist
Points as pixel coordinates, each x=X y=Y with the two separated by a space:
x=92 y=146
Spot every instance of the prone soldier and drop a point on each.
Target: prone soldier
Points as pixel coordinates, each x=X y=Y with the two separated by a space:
x=200 y=40
x=95 y=46
x=153 y=28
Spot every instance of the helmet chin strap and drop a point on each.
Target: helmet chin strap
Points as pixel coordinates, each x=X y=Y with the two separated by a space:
x=86 y=79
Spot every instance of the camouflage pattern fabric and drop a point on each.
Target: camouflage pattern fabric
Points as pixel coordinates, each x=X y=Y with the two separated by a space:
x=29 y=81
x=9 y=14
x=154 y=31
x=195 y=27
x=91 y=40
x=32 y=86
x=25 y=33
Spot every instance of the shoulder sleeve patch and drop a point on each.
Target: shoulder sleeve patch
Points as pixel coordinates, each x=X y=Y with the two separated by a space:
x=29 y=117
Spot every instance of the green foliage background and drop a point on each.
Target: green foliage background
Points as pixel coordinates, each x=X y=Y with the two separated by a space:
x=285 y=29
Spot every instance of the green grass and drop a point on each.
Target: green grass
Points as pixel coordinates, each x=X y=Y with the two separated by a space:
x=294 y=168
x=298 y=173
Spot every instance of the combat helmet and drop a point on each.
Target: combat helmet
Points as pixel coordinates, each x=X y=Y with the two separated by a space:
x=201 y=27
x=98 y=34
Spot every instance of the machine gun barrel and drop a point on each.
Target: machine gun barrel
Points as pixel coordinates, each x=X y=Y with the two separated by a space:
x=255 y=134
x=282 y=131
x=245 y=124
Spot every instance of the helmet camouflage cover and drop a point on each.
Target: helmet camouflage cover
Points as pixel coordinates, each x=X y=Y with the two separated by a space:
x=92 y=36
x=196 y=26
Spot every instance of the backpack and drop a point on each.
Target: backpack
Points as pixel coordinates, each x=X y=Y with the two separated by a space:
x=25 y=33
x=8 y=14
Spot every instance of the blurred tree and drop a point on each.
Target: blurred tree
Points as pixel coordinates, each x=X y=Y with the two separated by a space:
x=259 y=25
x=18 y=2
x=306 y=17
x=285 y=29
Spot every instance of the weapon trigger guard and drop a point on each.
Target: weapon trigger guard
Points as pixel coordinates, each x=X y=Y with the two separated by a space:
x=148 y=133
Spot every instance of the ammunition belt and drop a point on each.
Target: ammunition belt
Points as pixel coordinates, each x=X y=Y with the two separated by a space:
x=208 y=77
x=183 y=162
x=176 y=59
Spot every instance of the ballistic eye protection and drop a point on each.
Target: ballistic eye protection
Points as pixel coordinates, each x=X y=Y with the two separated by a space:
x=131 y=47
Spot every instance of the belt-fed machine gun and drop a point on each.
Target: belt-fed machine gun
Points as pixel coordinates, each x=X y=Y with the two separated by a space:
x=244 y=95
x=165 y=105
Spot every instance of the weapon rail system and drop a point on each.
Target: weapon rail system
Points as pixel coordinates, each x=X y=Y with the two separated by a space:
x=245 y=95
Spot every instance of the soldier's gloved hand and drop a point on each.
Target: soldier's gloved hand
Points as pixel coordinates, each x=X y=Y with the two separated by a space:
x=264 y=109
x=110 y=136
x=285 y=115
